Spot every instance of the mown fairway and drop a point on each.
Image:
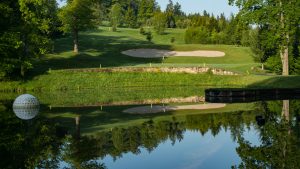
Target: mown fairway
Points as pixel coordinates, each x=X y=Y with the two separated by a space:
x=104 y=47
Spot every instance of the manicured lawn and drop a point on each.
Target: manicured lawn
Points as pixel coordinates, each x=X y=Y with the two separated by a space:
x=103 y=47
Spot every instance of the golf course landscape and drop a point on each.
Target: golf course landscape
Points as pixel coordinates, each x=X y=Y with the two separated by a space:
x=100 y=48
x=149 y=84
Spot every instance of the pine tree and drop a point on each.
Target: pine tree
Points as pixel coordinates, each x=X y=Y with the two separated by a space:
x=130 y=17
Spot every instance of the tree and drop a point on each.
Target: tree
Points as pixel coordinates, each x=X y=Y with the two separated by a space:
x=24 y=32
x=170 y=15
x=279 y=138
x=115 y=16
x=98 y=8
x=146 y=10
x=159 y=22
x=76 y=16
x=255 y=45
x=198 y=35
x=281 y=16
x=177 y=10
x=130 y=17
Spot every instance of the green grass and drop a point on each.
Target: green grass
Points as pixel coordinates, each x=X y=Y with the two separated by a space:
x=63 y=80
x=102 y=47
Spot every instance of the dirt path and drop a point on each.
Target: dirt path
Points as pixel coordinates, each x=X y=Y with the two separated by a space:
x=155 y=53
x=159 y=109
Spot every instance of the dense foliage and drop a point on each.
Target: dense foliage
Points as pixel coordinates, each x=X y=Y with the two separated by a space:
x=270 y=28
x=277 y=22
x=25 y=30
x=76 y=16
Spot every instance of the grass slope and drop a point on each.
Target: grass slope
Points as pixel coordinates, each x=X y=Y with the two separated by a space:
x=102 y=47
x=62 y=80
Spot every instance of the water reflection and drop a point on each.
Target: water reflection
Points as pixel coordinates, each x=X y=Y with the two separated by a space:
x=26 y=113
x=159 y=109
x=279 y=139
x=26 y=107
x=52 y=143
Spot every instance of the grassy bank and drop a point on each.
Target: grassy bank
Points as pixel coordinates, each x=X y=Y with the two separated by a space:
x=63 y=80
x=103 y=48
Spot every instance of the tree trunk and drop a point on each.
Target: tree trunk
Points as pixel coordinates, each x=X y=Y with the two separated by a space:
x=284 y=48
x=284 y=54
x=22 y=72
x=286 y=110
x=75 y=32
x=24 y=55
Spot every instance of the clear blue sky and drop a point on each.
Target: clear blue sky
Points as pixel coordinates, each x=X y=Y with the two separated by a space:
x=195 y=6
x=198 y=6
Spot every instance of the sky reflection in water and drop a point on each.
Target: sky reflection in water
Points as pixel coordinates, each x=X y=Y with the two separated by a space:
x=177 y=140
x=194 y=151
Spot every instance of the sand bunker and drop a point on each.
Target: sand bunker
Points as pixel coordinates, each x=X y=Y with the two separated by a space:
x=155 y=53
x=159 y=109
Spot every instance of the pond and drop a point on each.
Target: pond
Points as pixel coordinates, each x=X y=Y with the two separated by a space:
x=169 y=133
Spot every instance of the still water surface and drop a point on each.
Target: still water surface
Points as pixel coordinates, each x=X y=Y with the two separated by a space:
x=249 y=135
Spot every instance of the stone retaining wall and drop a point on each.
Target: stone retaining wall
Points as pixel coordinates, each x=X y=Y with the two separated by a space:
x=192 y=99
x=191 y=70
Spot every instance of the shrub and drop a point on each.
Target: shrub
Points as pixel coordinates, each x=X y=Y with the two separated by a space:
x=197 y=35
x=114 y=28
x=159 y=22
x=172 y=39
x=149 y=36
x=142 y=31
x=274 y=64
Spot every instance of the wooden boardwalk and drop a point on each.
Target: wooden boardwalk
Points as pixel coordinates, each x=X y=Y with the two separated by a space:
x=234 y=95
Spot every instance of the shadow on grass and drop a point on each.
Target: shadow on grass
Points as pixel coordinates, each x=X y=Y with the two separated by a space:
x=94 y=50
x=278 y=82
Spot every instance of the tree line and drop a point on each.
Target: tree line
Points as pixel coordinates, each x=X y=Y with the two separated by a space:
x=27 y=28
x=43 y=142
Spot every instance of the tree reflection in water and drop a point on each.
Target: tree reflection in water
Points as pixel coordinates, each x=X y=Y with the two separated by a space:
x=279 y=139
x=45 y=144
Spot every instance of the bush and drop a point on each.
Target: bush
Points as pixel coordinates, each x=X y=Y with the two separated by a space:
x=172 y=39
x=198 y=35
x=274 y=64
x=159 y=22
x=114 y=28
x=296 y=66
x=149 y=36
x=142 y=31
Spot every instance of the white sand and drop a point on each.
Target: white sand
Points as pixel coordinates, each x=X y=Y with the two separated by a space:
x=159 y=109
x=156 y=53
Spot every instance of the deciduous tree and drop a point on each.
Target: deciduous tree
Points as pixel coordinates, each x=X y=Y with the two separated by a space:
x=24 y=32
x=76 y=16
x=159 y=22
x=281 y=15
x=115 y=16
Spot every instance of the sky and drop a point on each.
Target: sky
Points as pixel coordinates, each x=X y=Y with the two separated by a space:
x=198 y=6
